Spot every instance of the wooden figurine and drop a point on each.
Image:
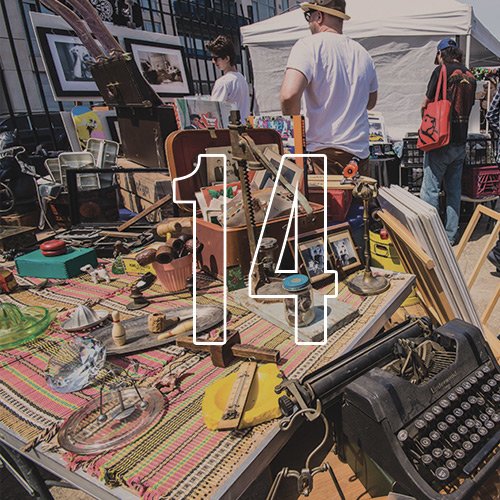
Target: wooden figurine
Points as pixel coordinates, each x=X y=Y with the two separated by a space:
x=118 y=331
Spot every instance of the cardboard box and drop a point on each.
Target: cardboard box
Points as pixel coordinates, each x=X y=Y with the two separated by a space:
x=68 y=265
x=140 y=190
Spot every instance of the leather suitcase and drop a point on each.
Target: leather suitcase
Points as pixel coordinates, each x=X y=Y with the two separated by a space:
x=121 y=83
x=143 y=132
x=182 y=149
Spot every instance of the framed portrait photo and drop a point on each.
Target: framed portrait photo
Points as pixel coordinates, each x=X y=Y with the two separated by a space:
x=343 y=250
x=162 y=65
x=312 y=255
x=67 y=62
x=341 y=254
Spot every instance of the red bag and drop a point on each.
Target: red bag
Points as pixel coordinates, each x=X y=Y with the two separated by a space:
x=434 y=131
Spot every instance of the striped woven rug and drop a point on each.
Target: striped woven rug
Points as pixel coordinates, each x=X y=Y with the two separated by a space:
x=178 y=457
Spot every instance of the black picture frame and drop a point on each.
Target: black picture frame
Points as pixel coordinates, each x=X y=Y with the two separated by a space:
x=176 y=82
x=55 y=48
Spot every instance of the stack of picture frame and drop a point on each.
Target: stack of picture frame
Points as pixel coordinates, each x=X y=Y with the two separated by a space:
x=423 y=221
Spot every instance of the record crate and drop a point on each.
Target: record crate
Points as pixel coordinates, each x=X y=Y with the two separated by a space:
x=480 y=182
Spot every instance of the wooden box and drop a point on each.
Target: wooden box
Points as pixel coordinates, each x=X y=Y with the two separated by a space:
x=183 y=148
x=139 y=190
x=68 y=265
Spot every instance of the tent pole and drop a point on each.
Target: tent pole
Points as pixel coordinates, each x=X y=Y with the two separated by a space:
x=467 y=49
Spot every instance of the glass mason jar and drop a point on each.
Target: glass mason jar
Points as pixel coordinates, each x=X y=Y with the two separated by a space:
x=299 y=284
x=267 y=251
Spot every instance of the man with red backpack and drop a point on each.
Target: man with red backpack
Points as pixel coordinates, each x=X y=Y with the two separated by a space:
x=444 y=165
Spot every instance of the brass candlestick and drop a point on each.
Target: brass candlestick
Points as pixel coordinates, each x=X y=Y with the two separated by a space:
x=366 y=283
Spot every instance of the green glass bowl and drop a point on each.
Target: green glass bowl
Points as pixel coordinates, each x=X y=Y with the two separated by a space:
x=18 y=326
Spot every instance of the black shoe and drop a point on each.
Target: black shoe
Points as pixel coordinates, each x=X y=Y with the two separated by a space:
x=494 y=260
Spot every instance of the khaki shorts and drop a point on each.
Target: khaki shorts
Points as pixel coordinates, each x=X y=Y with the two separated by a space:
x=337 y=160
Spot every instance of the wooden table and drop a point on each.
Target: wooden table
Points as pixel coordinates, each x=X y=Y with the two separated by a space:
x=245 y=468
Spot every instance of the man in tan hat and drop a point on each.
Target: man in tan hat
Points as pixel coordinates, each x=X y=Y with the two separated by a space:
x=337 y=78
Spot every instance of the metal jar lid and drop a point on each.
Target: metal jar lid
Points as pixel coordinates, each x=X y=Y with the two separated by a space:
x=268 y=243
x=296 y=283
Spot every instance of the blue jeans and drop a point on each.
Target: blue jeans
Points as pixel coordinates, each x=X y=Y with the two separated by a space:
x=445 y=165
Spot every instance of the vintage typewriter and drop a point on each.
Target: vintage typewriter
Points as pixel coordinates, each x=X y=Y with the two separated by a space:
x=416 y=411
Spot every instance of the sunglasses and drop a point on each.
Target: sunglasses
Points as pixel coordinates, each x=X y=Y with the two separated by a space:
x=216 y=58
x=308 y=14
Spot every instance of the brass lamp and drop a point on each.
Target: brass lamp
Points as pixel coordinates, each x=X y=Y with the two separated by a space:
x=365 y=283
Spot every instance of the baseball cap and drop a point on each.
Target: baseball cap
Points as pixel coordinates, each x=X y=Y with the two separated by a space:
x=445 y=43
x=335 y=8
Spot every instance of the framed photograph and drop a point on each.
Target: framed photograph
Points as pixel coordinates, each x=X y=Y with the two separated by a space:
x=344 y=250
x=162 y=65
x=215 y=166
x=114 y=128
x=378 y=133
x=67 y=63
x=341 y=252
x=293 y=173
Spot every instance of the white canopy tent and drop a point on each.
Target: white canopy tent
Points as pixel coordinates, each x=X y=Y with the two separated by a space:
x=401 y=37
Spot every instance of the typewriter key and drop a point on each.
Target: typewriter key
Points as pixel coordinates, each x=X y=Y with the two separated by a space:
x=426 y=459
x=437 y=410
x=420 y=424
x=497 y=377
x=447 y=453
x=486 y=369
x=467 y=385
x=444 y=403
x=458 y=412
x=480 y=401
x=429 y=416
x=451 y=464
x=459 y=454
x=489 y=425
x=482 y=431
x=467 y=446
x=425 y=442
x=403 y=435
x=460 y=391
x=479 y=374
x=454 y=437
x=489 y=411
x=465 y=406
x=475 y=438
x=434 y=435
x=483 y=417
x=450 y=419
x=470 y=423
x=492 y=382
x=442 y=426
x=452 y=396
x=462 y=429
x=485 y=388
x=496 y=398
x=472 y=400
x=472 y=379
x=437 y=452
x=495 y=417
x=442 y=473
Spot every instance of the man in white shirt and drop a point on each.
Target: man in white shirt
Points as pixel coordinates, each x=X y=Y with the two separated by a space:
x=336 y=77
x=232 y=86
